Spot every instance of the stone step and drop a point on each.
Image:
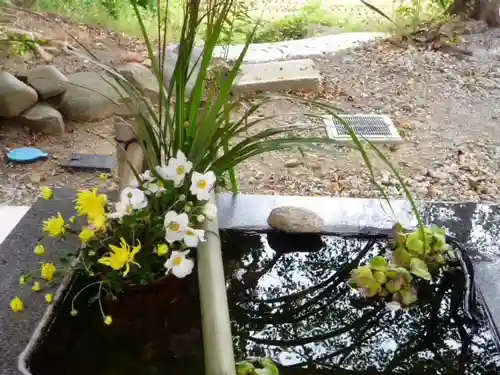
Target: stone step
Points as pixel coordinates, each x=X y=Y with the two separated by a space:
x=277 y=76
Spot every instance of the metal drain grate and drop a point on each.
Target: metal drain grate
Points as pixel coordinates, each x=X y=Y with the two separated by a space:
x=375 y=128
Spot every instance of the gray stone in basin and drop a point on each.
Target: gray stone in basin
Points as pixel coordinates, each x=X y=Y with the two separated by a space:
x=43 y=118
x=92 y=96
x=15 y=96
x=48 y=81
x=16 y=254
x=295 y=220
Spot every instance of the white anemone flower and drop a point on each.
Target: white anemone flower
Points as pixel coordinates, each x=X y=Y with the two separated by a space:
x=134 y=197
x=179 y=264
x=146 y=176
x=193 y=237
x=201 y=185
x=175 y=226
x=176 y=169
x=154 y=188
x=210 y=211
x=121 y=209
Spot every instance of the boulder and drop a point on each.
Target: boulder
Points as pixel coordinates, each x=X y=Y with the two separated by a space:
x=142 y=78
x=48 y=81
x=15 y=96
x=42 y=118
x=295 y=220
x=92 y=96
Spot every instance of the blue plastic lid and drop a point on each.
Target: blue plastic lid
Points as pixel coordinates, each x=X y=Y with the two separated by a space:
x=26 y=155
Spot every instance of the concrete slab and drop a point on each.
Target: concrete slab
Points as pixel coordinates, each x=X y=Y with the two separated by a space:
x=294 y=49
x=277 y=76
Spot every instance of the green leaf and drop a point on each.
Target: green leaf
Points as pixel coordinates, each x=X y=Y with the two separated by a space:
x=415 y=244
x=270 y=365
x=399 y=234
x=363 y=277
x=401 y=257
x=380 y=277
x=372 y=289
x=378 y=263
x=392 y=286
x=419 y=268
x=408 y=296
x=244 y=368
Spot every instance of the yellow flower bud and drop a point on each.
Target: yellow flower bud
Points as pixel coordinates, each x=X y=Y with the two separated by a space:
x=104 y=177
x=108 y=320
x=22 y=280
x=73 y=312
x=49 y=297
x=36 y=287
x=47 y=193
x=48 y=271
x=86 y=235
x=162 y=249
x=16 y=304
x=39 y=250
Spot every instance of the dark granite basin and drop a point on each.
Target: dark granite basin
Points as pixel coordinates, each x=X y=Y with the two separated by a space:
x=475 y=225
x=289 y=300
x=149 y=335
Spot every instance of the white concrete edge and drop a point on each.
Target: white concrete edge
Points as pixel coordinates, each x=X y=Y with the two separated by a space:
x=9 y=218
x=217 y=337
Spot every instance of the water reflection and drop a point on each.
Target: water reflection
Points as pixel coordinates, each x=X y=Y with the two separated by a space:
x=291 y=302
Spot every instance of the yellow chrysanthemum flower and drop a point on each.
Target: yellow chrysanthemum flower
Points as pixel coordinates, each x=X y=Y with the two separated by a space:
x=86 y=235
x=162 y=249
x=108 y=320
x=121 y=256
x=39 y=250
x=16 y=304
x=47 y=193
x=48 y=271
x=36 y=286
x=90 y=203
x=55 y=226
x=49 y=297
x=99 y=222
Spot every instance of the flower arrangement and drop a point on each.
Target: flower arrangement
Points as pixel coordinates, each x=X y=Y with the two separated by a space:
x=415 y=257
x=147 y=234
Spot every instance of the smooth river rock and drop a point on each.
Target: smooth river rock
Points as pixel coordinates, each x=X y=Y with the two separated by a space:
x=295 y=220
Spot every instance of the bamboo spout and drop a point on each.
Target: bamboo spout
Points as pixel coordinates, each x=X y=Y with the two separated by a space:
x=128 y=150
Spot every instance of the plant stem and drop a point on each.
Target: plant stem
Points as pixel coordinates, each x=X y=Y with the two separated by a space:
x=232 y=171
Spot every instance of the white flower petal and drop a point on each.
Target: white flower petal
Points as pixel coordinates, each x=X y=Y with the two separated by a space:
x=184 y=269
x=162 y=172
x=146 y=176
x=179 y=264
x=183 y=220
x=169 y=217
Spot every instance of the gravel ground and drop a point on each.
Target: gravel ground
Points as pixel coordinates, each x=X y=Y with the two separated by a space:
x=445 y=107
